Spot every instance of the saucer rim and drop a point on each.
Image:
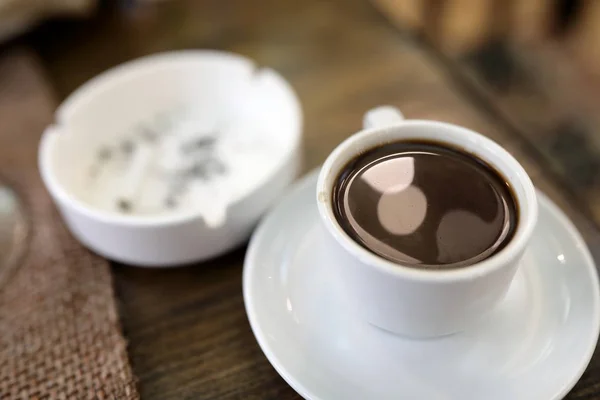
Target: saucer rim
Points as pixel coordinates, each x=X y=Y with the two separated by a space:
x=542 y=198
x=590 y=265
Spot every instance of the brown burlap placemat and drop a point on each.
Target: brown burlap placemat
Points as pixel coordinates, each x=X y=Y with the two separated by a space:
x=59 y=329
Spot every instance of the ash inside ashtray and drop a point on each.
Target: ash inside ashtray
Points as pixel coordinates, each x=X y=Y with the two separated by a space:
x=178 y=164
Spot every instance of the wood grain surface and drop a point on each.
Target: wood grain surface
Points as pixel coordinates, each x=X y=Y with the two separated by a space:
x=187 y=329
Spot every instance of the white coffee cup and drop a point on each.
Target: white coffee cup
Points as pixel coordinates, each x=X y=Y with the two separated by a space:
x=416 y=302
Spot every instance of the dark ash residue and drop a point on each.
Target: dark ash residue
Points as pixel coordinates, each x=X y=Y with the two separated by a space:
x=205 y=169
x=127 y=147
x=198 y=153
x=104 y=154
x=124 y=205
x=205 y=143
x=170 y=202
x=149 y=135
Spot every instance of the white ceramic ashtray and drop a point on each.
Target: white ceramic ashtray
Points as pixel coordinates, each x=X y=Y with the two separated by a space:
x=172 y=158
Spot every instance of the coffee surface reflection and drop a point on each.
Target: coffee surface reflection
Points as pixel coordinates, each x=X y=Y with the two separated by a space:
x=425 y=205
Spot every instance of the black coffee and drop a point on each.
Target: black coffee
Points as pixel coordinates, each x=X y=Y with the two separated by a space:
x=425 y=205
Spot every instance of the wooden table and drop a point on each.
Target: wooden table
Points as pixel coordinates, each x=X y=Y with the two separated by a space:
x=187 y=329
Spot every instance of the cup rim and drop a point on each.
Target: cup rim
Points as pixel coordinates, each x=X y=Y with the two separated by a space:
x=528 y=206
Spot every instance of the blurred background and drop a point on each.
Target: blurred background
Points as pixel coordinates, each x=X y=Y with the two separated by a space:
x=533 y=66
x=524 y=72
x=533 y=63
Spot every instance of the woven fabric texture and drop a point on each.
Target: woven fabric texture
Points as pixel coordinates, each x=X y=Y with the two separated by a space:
x=59 y=329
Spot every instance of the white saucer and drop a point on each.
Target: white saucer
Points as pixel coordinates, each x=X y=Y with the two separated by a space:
x=535 y=345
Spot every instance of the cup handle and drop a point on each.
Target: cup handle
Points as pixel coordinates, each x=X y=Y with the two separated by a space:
x=382 y=116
